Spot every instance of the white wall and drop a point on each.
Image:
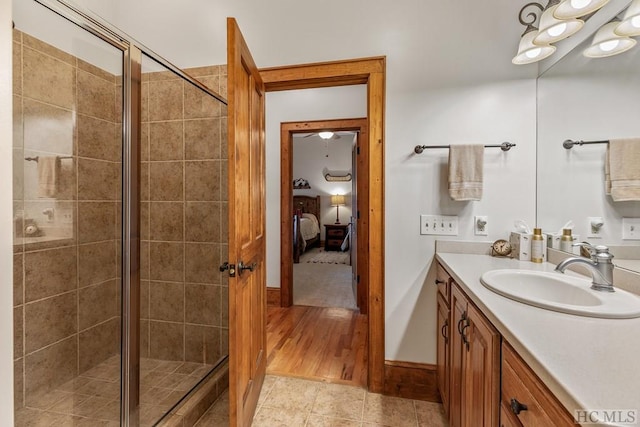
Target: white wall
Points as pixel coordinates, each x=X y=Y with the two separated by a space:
x=6 y=216
x=292 y=106
x=417 y=184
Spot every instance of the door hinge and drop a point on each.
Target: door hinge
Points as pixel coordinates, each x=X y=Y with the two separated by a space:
x=358 y=215
x=357 y=150
x=358 y=278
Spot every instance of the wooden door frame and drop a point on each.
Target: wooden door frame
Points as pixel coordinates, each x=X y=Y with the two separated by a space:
x=287 y=131
x=372 y=72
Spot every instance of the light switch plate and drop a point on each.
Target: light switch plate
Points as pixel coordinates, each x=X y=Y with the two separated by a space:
x=439 y=225
x=631 y=228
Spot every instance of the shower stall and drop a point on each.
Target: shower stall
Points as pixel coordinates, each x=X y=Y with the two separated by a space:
x=120 y=224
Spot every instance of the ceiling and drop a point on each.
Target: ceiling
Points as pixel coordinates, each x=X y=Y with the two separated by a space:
x=428 y=43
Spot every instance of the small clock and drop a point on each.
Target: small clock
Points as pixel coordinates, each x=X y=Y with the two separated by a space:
x=501 y=248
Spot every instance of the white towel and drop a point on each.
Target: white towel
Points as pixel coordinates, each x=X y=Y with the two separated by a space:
x=623 y=157
x=465 y=171
x=48 y=176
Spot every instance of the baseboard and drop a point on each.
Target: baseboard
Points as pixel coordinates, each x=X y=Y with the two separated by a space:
x=273 y=297
x=411 y=380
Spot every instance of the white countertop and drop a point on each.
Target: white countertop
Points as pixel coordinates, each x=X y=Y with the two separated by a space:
x=588 y=363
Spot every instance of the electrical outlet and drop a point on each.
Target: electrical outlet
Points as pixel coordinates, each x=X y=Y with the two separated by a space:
x=440 y=225
x=480 y=226
x=631 y=228
x=594 y=227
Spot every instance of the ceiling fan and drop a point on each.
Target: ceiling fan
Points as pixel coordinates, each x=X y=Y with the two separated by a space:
x=325 y=134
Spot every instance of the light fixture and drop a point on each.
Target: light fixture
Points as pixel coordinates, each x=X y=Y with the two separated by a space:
x=528 y=51
x=607 y=43
x=630 y=25
x=325 y=134
x=337 y=200
x=552 y=29
x=569 y=9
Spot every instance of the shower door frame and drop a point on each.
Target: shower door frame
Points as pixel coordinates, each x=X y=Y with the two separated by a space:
x=131 y=160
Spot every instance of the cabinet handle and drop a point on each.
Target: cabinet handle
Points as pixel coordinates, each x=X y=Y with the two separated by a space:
x=517 y=407
x=464 y=337
x=444 y=329
x=462 y=319
x=439 y=282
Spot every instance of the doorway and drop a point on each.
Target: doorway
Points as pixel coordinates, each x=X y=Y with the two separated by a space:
x=369 y=71
x=358 y=234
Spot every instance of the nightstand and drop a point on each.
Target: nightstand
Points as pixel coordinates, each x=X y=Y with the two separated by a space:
x=334 y=236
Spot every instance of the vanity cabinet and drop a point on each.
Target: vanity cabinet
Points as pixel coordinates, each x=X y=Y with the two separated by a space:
x=474 y=387
x=481 y=378
x=526 y=401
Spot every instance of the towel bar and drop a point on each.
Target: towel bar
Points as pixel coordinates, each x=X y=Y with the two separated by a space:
x=35 y=159
x=568 y=144
x=505 y=146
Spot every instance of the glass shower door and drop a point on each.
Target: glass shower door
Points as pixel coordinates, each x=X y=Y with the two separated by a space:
x=67 y=152
x=183 y=233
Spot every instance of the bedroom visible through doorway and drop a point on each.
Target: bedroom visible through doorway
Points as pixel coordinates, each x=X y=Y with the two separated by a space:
x=324 y=226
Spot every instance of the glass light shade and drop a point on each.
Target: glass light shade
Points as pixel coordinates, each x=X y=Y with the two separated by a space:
x=553 y=29
x=630 y=25
x=607 y=43
x=528 y=52
x=570 y=9
x=337 y=200
x=325 y=135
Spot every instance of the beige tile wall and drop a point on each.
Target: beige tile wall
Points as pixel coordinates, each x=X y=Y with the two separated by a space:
x=66 y=290
x=184 y=210
x=66 y=293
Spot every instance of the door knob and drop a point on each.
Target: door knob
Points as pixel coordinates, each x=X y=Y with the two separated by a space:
x=242 y=267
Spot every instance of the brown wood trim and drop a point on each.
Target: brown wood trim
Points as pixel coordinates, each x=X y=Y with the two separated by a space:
x=322 y=74
x=411 y=381
x=273 y=297
x=341 y=73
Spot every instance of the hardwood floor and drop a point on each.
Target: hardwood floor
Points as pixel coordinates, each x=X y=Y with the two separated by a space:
x=322 y=343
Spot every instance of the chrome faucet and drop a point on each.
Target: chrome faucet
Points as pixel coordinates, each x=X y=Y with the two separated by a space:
x=600 y=265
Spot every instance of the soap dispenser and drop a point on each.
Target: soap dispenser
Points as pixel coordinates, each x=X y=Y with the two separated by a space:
x=537 y=246
x=566 y=241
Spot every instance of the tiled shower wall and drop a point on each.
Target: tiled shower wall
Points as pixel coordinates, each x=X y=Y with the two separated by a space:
x=66 y=287
x=66 y=296
x=184 y=217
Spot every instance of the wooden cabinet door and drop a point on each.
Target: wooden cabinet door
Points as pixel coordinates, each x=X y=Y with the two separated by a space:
x=458 y=320
x=442 y=364
x=481 y=372
x=247 y=288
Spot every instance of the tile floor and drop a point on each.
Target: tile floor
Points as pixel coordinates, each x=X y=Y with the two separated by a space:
x=93 y=398
x=293 y=402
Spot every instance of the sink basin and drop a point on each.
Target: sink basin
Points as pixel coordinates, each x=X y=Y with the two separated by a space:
x=560 y=292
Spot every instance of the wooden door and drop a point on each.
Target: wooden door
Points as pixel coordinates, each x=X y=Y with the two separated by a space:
x=458 y=350
x=353 y=223
x=247 y=287
x=481 y=372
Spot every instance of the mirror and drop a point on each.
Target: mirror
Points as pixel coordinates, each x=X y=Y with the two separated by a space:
x=580 y=98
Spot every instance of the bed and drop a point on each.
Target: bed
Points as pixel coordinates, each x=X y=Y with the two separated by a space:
x=306 y=226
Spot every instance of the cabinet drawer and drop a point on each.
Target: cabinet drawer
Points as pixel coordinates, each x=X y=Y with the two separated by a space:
x=334 y=242
x=335 y=233
x=519 y=382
